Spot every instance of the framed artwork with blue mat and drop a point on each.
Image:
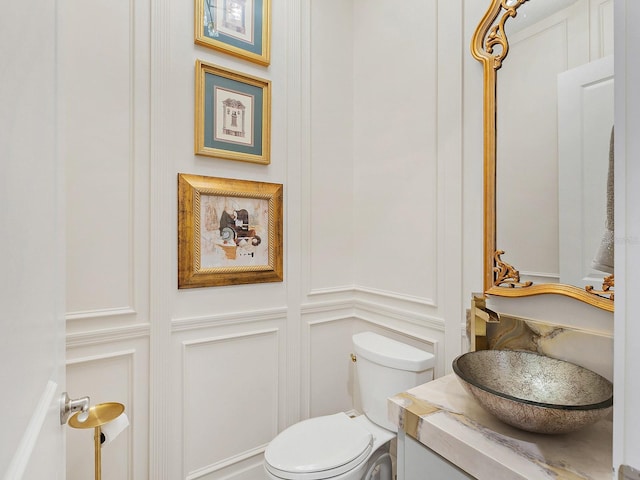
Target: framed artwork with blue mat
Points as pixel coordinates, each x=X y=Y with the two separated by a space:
x=232 y=114
x=237 y=27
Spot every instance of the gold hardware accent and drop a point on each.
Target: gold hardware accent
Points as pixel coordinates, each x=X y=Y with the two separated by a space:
x=505 y=274
x=607 y=285
x=98 y=416
x=480 y=317
x=490 y=46
x=353 y=358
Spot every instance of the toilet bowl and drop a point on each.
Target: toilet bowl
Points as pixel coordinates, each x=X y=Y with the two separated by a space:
x=333 y=446
x=344 y=448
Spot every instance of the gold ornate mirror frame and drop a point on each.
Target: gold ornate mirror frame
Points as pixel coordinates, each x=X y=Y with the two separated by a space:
x=490 y=46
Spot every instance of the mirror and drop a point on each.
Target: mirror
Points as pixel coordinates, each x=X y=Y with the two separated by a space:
x=548 y=151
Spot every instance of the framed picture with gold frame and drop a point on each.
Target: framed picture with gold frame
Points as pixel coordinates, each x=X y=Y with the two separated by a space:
x=229 y=231
x=238 y=27
x=232 y=114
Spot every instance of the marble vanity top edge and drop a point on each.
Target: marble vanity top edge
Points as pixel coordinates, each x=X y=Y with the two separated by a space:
x=443 y=417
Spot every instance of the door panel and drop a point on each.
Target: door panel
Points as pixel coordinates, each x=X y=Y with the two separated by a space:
x=585 y=121
x=31 y=247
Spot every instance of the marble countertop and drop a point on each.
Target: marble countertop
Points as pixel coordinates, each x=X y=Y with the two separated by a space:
x=444 y=417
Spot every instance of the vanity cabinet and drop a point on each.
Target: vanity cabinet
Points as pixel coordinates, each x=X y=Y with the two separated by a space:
x=417 y=462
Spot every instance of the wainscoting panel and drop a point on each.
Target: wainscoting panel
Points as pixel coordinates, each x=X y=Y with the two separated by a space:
x=103 y=74
x=328 y=378
x=231 y=397
x=329 y=381
x=110 y=372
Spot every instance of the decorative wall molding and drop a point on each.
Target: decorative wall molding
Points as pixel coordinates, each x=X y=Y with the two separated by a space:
x=86 y=375
x=130 y=353
x=162 y=461
x=343 y=306
x=242 y=362
x=348 y=289
x=298 y=155
x=107 y=335
x=352 y=290
x=229 y=462
x=398 y=331
x=100 y=313
x=235 y=318
x=370 y=310
x=367 y=303
x=232 y=336
x=395 y=296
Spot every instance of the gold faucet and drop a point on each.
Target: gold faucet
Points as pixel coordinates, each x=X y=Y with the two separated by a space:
x=480 y=316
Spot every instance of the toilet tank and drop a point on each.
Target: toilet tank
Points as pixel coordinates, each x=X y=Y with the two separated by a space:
x=385 y=368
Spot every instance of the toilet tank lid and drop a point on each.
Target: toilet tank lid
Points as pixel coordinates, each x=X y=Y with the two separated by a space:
x=391 y=353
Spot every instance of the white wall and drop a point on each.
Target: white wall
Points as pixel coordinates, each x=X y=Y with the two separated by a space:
x=383 y=221
x=372 y=224
x=104 y=141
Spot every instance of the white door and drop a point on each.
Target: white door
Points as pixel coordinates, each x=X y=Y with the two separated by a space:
x=585 y=121
x=31 y=246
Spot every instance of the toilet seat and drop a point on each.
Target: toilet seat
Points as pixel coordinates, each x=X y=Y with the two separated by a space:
x=317 y=448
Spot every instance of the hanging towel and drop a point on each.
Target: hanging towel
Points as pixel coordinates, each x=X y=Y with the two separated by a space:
x=603 y=260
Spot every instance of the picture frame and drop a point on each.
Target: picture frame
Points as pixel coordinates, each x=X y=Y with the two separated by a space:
x=241 y=28
x=229 y=231
x=232 y=114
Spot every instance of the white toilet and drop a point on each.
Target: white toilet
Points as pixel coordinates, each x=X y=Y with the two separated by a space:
x=344 y=448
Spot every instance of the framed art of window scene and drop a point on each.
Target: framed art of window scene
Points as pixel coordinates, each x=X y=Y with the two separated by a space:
x=237 y=27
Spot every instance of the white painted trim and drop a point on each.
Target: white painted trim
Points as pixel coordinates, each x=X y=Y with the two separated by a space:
x=107 y=335
x=105 y=356
x=364 y=309
x=358 y=308
x=626 y=418
x=298 y=148
x=406 y=333
x=21 y=458
x=247 y=316
x=328 y=306
x=100 y=313
x=163 y=431
x=227 y=462
x=356 y=289
x=621 y=357
x=452 y=51
x=222 y=338
x=396 y=296
x=330 y=319
x=305 y=366
x=331 y=291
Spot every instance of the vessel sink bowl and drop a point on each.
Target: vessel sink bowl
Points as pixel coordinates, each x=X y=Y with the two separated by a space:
x=534 y=392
